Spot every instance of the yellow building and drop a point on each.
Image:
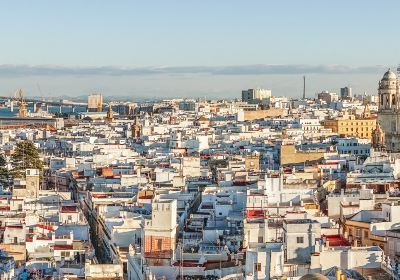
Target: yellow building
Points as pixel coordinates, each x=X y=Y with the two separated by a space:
x=359 y=231
x=351 y=126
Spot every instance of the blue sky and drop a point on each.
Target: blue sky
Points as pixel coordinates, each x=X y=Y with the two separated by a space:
x=195 y=48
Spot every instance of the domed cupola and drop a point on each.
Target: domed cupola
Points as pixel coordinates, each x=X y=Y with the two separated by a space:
x=389 y=80
x=389 y=76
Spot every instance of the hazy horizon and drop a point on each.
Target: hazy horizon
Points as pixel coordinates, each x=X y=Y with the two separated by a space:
x=195 y=49
x=184 y=85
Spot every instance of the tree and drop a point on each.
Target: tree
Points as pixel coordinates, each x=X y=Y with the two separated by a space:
x=3 y=161
x=25 y=156
x=5 y=175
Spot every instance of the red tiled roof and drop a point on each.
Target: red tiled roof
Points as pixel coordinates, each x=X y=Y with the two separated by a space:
x=100 y=196
x=69 y=209
x=47 y=227
x=63 y=247
x=146 y=197
x=14 y=226
x=330 y=163
x=188 y=264
x=336 y=240
x=255 y=214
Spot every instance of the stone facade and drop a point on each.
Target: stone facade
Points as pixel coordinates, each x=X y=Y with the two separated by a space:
x=389 y=110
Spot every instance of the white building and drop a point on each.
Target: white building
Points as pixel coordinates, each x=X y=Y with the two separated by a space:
x=354 y=146
x=255 y=95
x=300 y=237
x=264 y=261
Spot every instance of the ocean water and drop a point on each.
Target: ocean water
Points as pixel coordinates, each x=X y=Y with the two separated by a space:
x=6 y=112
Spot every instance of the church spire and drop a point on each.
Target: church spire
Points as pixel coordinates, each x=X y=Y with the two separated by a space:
x=110 y=114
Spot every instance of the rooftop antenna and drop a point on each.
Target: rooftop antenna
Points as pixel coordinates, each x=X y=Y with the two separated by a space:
x=304 y=87
x=40 y=90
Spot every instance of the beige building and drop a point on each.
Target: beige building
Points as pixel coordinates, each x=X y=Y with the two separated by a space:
x=28 y=187
x=95 y=103
x=389 y=110
x=358 y=231
x=289 y=155
x=261 y=114
x=252 y=163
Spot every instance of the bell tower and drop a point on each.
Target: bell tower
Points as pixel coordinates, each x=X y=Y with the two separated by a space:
x=389 y=111
x=110 y=114
x=388 y=89
x=136 y=128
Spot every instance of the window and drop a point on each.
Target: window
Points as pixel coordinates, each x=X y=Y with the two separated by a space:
x=300 y=240
x=358 y=232
x=366 y=234
x=159 y=244
x=64 y=253
x=257 y=266
x=260 y=239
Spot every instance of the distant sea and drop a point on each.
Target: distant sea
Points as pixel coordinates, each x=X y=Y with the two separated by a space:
x=6 y=112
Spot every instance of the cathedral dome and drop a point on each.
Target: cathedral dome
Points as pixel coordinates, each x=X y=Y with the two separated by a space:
x=389 y=75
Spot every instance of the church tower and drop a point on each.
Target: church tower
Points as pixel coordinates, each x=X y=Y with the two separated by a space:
x=110 y=114
x=378 y=138
x=389 y=111
x=136 y=129
x=23 y=110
